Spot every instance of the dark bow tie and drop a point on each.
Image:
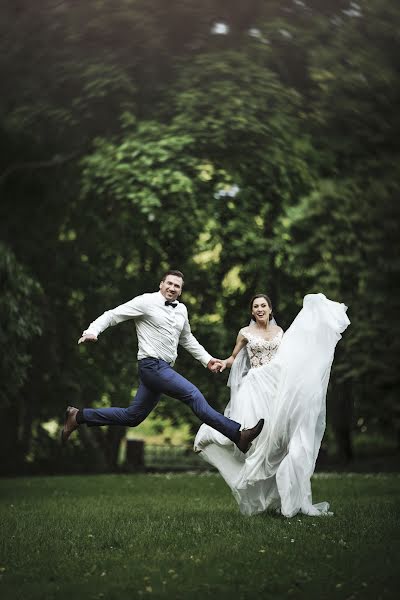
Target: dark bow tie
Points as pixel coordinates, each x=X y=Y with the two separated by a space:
x=173 y=304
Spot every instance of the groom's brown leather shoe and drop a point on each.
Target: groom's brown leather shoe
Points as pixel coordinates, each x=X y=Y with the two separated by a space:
x=70 y=423
x=248 y=435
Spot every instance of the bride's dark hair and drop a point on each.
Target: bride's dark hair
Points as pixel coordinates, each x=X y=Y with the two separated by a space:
x=267 y=298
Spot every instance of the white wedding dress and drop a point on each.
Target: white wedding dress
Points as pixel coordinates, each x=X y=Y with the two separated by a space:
x=286 y=385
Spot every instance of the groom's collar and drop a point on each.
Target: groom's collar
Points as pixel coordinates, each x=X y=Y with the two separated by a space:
x=162 y=299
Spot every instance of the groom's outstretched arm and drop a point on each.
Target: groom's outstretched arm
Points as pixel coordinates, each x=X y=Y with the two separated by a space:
x=130 y=310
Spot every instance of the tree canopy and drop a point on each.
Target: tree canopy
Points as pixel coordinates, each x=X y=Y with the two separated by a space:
x=252 y=145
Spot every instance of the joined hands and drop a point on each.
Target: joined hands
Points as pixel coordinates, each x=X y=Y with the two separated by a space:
x=216 y=365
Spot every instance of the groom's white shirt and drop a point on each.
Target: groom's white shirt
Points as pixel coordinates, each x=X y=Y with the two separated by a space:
x=159 y=328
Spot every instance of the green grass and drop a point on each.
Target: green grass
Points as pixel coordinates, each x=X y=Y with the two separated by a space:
x=181 y=536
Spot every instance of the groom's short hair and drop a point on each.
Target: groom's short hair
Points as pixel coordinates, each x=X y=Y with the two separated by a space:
x=173 y=272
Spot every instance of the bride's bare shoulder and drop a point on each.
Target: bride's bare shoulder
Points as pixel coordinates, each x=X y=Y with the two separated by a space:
x=275 y=329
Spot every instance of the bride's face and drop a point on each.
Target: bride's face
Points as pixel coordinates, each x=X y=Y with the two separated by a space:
x=261 y=311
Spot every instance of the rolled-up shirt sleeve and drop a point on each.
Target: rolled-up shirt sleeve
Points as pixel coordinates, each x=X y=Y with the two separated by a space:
x=130 y=310
x=190 y=343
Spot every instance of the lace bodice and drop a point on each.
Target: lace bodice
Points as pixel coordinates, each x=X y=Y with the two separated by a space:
x=260 y=351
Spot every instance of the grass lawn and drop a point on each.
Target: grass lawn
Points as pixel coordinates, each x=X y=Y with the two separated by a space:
x=181 y=536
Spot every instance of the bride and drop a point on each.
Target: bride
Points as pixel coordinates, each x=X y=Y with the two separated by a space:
x=283 y=378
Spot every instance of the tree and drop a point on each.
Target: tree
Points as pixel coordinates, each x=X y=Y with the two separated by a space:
x=21 y=306
x=257 y=159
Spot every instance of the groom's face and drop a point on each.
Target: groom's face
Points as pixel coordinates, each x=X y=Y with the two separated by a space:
x=171 y=287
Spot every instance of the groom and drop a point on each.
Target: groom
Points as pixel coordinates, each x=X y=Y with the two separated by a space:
x=161 y=324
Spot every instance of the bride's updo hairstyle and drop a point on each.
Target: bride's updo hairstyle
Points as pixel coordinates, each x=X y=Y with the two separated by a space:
x=267 y=298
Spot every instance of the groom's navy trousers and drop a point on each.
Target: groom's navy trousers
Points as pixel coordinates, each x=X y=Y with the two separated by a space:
x=158 y=377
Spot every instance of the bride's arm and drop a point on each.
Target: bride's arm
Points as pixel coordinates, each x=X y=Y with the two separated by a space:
x=240 y=343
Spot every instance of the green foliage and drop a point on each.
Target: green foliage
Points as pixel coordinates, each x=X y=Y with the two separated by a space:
x=21 y=321
x=135 y=139
x=145 y=179
x=331 y=241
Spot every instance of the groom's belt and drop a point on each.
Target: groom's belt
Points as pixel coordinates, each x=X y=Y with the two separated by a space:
x=157 y=359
